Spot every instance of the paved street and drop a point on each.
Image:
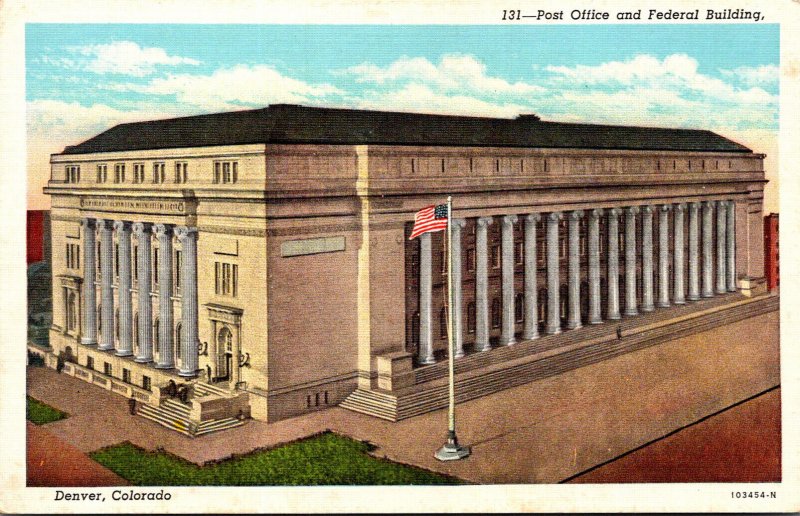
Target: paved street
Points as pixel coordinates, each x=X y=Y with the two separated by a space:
x=542 y=432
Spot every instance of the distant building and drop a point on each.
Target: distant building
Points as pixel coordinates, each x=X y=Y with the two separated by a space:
x=264 y=257
x=38 y=236
x=771 y=251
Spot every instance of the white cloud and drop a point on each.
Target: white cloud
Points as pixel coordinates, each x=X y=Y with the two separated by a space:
x=128 y=58
x=453 y=73
x=754 y=75
x=230 y=88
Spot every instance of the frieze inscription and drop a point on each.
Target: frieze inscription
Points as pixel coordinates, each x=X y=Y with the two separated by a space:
x=148 y=206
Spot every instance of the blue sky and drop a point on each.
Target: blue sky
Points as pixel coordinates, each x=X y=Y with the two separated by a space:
x=81 y=79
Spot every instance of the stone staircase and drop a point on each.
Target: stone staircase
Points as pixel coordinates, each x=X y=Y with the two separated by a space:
x=484 y=373
x=175 y=415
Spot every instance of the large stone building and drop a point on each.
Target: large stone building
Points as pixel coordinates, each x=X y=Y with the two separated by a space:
x=263 y=256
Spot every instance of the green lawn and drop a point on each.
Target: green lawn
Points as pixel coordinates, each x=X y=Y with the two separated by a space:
x=41 y=413
x=326 y=459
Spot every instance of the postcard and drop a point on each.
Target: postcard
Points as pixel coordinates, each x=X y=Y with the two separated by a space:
x=399 y=257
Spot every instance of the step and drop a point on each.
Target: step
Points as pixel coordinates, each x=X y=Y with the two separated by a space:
x=203 y=389
x=541 y=359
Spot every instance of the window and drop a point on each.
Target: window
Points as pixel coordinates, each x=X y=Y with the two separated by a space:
x=72 y=312
x=177 y=339
x=519 y=308
x=562 y=248
x=443 y=257
x=226 y=278
x=158 y=173
x=178 y=266
x=443 y=323
x=135 y=271
x=180 y=172
x=116 y=261
x=495 y=313
x=471 y=259
x=519 y=253
x=73 y=174
x=138 y=173
x=97 y=259
x=119 y=173
x=146 y=383
x=156 y=342
x=226 y=172
x=495 y=256
x=155 y=267
x=540 y=252
x=73 y=256
x=102 y=173
x=471 y=317
x=90 y=363
x=126 y=375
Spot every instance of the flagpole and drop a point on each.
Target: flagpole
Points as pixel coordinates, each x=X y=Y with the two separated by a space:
x=451 y=449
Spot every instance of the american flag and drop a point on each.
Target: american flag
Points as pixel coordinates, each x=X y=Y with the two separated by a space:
x=429 y=219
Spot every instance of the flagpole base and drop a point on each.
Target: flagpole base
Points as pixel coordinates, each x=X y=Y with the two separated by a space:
x=451 y=450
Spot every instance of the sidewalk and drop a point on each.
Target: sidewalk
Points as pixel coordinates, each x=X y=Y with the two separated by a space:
x=542 y=432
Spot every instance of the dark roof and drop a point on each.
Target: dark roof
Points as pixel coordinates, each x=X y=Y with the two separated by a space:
x=284 y=123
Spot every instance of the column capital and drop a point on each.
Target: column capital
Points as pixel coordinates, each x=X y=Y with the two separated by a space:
x=722 y=203
x=681 y=206
x=555 y=215
x=140 y=228
x=708 y=204
x=184 y=232
x=509 y=220
x=575 y=214
x=122 y=225
x=596 y=213
x=162 y=229
x=458 y=223
x=694 y=206
x=484 y=221
x=664 y=207
x=104 y=224
x=632 y=210
x=647 y=209
x=88 y=222
x=533 y=217
x=615 y=212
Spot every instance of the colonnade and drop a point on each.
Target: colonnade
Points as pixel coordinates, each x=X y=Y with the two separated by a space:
x=671 y=284
x=119 y=339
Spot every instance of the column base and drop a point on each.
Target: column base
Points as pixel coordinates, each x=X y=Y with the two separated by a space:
x=424 y=361
x=164 y=366
x=574 y=325
x=679 y=302
x=648 y=308
x=509 y=342
x=708 y=294
x=123 y=353
x=663 y=304
x=458 y=354
x=614 y=316
x=596 y=321
x=732 y=289
x=187 y=374
x=483 y=347
x=722 y=291
x=553 y=331
x=530 y=336
x=630 y=313
x=142 y=360
x=693 y=297
x=88 y=341
x=105 y=348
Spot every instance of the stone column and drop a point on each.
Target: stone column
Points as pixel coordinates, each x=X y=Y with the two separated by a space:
x=678 y=261
x=647 y=259
x=89 y=293
x=553 y=283
x=694 y=252
x=166 y=354
x=145 y=352
x=708 y=255
x=507 y=243
x=574 y=270
x=731 y=241
x=613 y=264
x=425 y=352
x=663 y=255
x=189 y=338
x=594 y=266
x=630 y=260
x=482 y=285
x=531 y=300
x=458 y=328
x=722 y=284
x=125 y=346
x=106 y=290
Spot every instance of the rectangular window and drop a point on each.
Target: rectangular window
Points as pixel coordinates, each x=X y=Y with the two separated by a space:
x=107 y=368
x=116 y=261
x=495 y=256
x=135 y=271
x=102 y=173
x=540 y=253
x=90 y=363
x=73 y=174
x=519 y=253
x=226 y=172
x=471 y=259
x=138 y=173
x=178 y=265
x=226 y=278
x=180 y=172
x=158 y=172
x=119 y=173
x=126 y=375
x=146 y=383
x=155 y=266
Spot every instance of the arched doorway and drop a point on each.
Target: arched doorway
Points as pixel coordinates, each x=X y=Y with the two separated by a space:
x=224 y=354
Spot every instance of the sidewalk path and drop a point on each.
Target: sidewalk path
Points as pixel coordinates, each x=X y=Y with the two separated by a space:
x=542 y=432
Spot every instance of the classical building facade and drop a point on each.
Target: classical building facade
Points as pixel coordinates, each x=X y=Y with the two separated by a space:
x=262 y=257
